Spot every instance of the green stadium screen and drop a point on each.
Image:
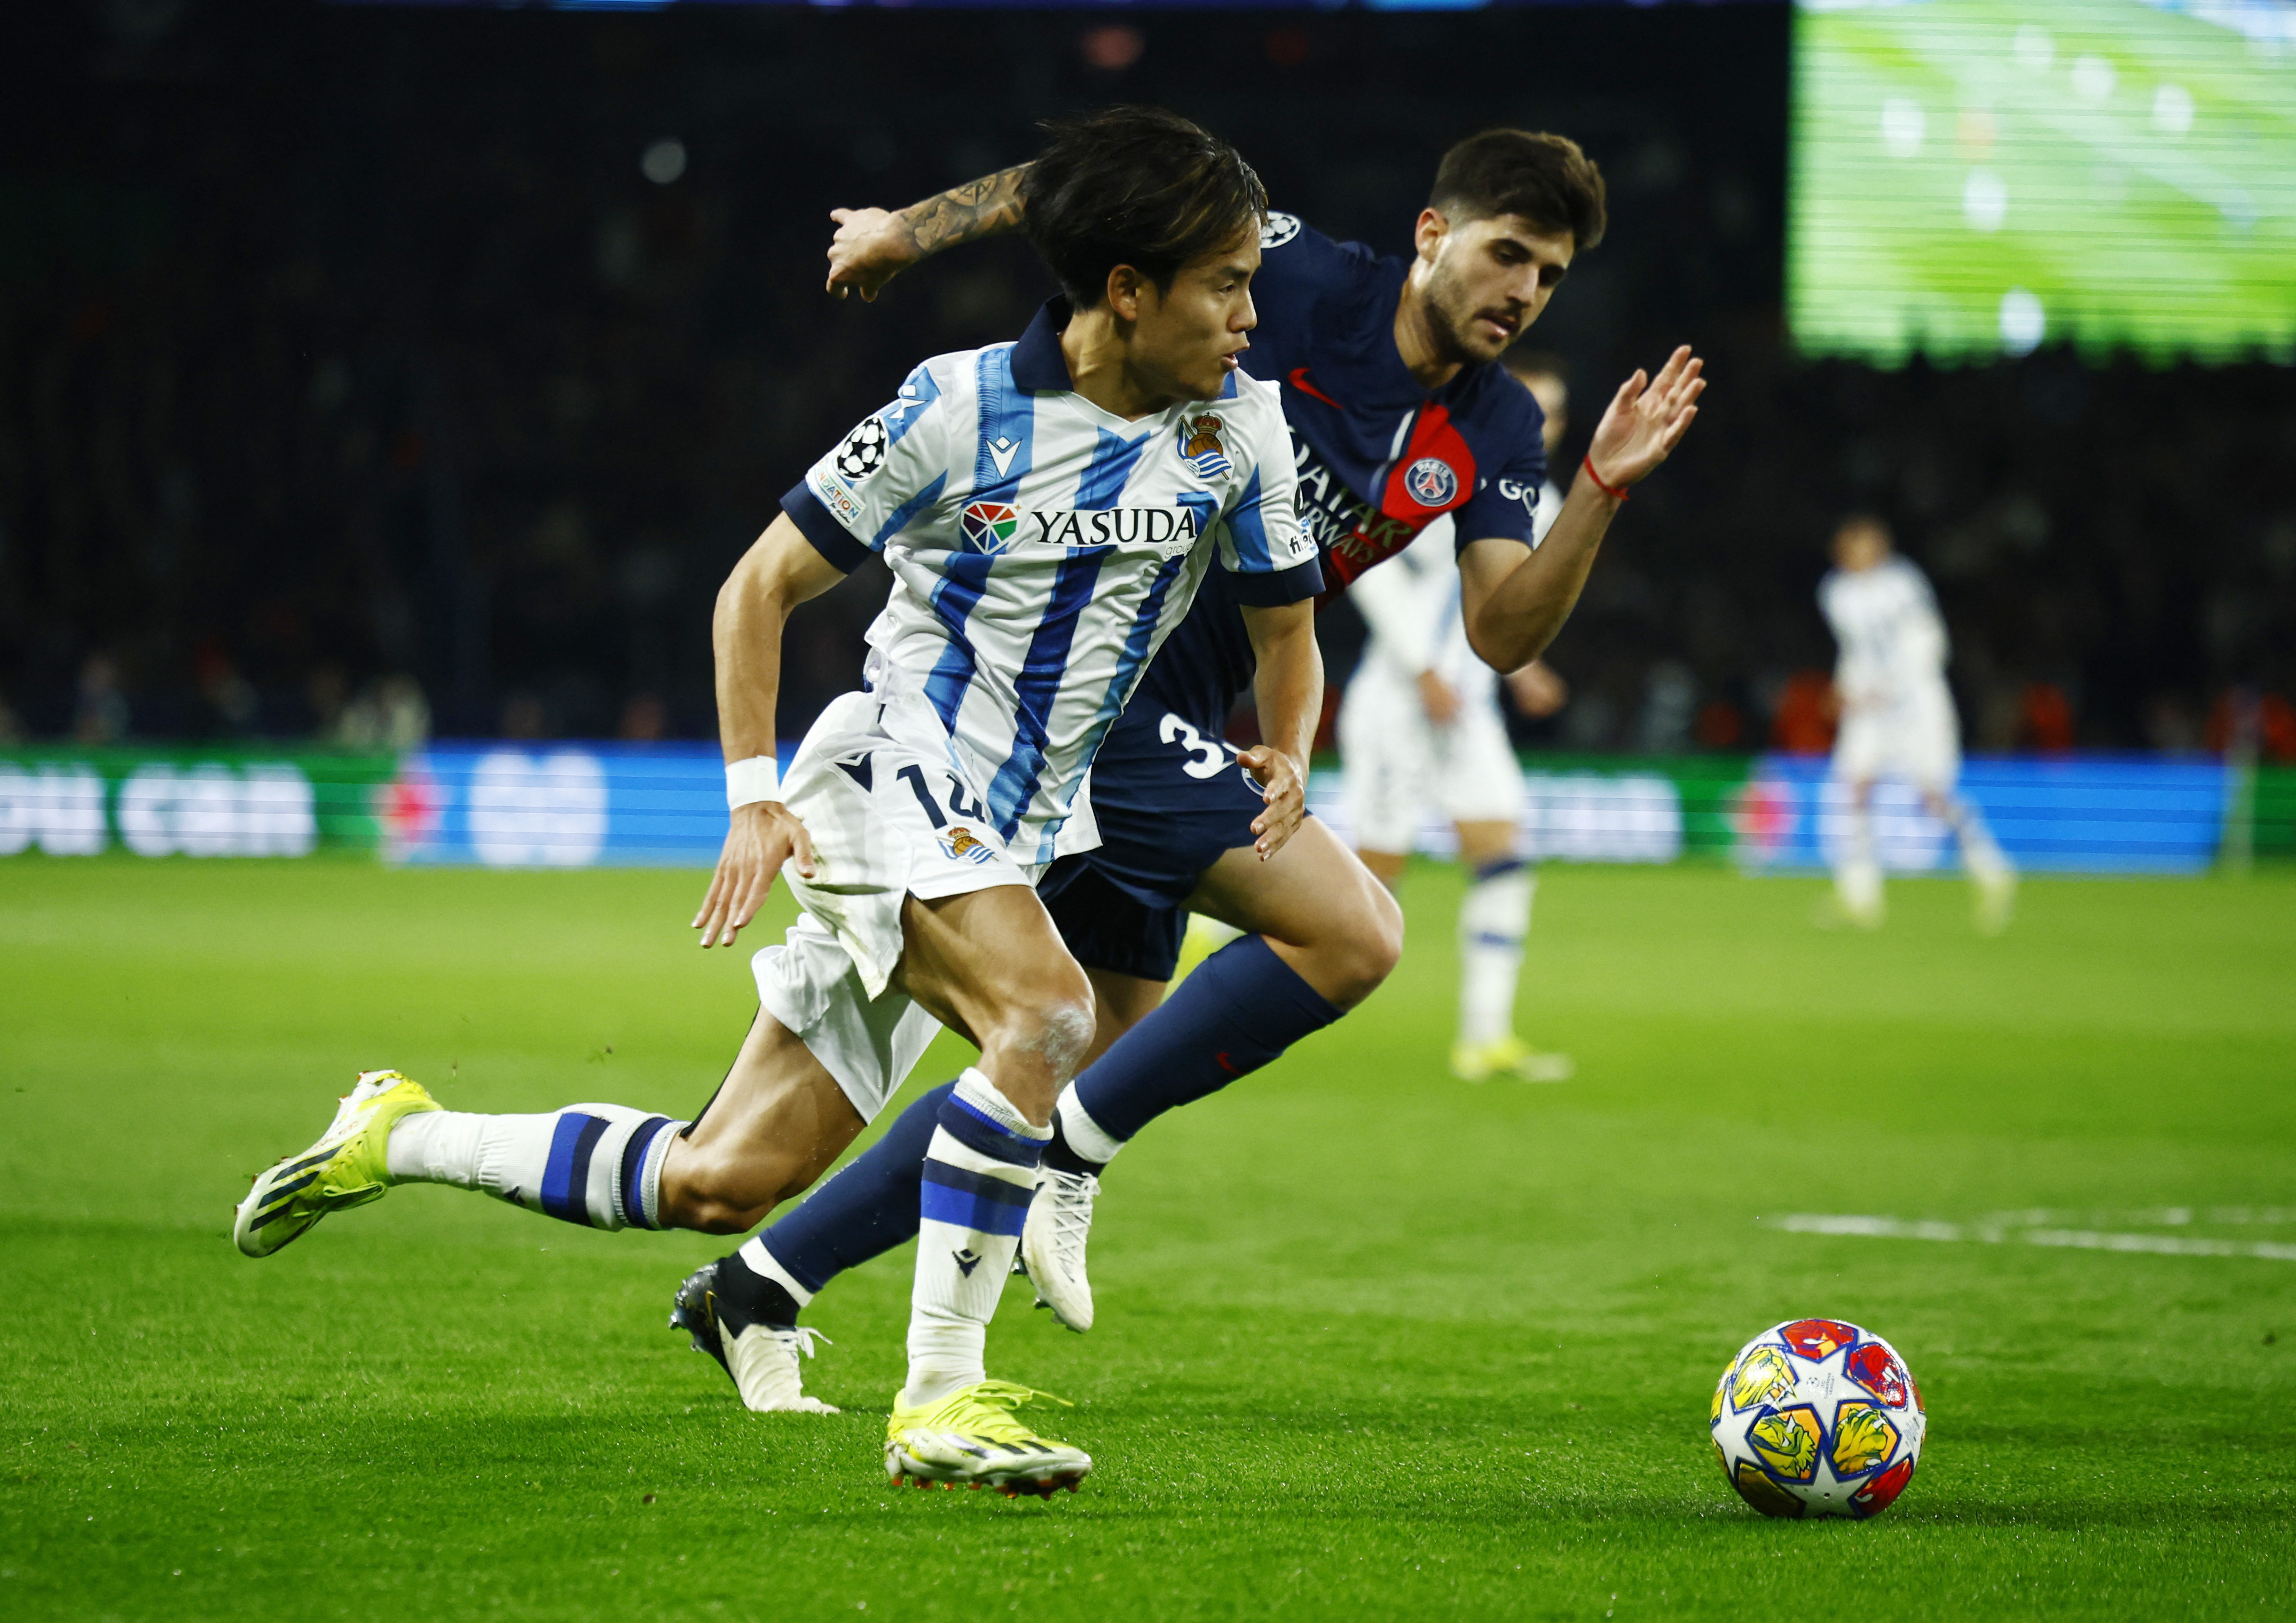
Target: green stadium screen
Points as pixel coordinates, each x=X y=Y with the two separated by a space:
x=1978 y=177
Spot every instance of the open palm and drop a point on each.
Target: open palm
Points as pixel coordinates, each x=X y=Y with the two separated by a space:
x=1647 y=419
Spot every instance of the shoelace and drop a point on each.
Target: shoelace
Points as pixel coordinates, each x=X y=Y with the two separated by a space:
x=1010 y=1395
x=801 y=1337
x=1070 y=1212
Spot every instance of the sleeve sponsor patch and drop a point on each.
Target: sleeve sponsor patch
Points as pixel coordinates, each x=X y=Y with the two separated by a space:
x=838 y=500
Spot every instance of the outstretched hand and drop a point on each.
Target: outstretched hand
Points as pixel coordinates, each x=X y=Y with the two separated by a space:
x=762 y=837
x=871 y=247
x=1646 y=420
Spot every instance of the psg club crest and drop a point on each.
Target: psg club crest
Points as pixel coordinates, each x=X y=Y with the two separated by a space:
x=1432 y=483
x=865 y=453
x=988 y=526
x=1202 y=450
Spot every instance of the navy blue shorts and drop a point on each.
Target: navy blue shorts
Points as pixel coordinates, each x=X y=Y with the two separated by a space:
x=1170 y=800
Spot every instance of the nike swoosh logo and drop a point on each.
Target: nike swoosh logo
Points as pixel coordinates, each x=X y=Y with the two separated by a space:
x=1299 y=381
x=1225 y=1064
x=1002 y=452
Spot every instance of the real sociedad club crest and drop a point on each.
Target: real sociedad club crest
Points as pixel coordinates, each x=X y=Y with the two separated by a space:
x=864 y=452
x=988 y=526
x=1203 y=451
x=1432 y=483
x=961 y=845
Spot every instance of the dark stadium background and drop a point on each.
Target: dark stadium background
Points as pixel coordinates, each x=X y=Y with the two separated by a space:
x=345 y=343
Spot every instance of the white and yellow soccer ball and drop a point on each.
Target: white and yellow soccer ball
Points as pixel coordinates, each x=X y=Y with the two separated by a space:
x=1818 y=1418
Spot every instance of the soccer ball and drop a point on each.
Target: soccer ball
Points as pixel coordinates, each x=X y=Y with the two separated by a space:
x=1818 y=1418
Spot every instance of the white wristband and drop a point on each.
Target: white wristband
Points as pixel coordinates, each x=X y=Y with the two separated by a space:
x=747 y=783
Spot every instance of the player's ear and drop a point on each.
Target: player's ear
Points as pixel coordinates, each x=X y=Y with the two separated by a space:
x=1428 y=235
x=1123 y=292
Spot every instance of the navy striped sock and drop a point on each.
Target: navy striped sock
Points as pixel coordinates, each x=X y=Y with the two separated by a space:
x=978 y=1176
x=1239 y=1008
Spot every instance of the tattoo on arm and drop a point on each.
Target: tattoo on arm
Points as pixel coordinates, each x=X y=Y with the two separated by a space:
x=977 y=209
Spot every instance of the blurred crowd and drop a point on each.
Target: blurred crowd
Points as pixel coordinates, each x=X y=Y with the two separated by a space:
x=365 y=374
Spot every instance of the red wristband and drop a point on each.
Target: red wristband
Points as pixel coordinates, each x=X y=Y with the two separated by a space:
x=1617 y=492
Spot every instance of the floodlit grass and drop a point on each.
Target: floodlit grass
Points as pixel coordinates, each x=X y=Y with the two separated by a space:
x=1372 y=1343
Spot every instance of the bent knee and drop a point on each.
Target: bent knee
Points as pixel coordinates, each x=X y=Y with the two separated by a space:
x=1061 y=1029
x=1361 y=954
x=715 y=1194
x=1053 y=1019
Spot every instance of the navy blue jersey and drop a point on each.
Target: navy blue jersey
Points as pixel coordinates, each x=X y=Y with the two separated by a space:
x=1379 y=457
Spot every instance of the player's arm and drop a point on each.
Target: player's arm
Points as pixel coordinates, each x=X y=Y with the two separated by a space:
x=781 y=570
x=1289 y=687
x=1516 y=599
x=873 y=246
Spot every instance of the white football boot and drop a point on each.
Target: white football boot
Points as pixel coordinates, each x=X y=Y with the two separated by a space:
x=764 y=1364
x=761 y=1358
x=1051 y=1244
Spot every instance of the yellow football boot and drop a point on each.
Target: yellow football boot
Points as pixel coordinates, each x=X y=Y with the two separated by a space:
x=1509 y=1057
x=345 y=1168
x=1205 y=936
x=973 y=1437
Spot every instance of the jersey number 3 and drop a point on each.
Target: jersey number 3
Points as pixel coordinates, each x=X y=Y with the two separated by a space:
x=1207 y=758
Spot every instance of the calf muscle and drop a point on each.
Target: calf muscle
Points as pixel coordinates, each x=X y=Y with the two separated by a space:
x=778 y=1122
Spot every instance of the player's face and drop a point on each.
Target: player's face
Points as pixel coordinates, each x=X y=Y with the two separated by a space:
x=1187 y=339
x=1860 y=546
x=1487 y=279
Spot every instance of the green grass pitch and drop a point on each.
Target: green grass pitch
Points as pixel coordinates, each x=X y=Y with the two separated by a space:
x=1372 y=1343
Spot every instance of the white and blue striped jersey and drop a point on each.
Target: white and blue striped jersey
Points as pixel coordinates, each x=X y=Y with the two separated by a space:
x=1042 y=549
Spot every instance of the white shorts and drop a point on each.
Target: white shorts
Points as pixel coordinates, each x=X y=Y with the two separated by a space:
x=1396 y=763
x=1917 y=741
x=889 y=820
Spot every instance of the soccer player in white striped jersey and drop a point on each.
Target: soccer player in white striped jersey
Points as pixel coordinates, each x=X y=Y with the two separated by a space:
x=1048 y=508
x=1897 y=720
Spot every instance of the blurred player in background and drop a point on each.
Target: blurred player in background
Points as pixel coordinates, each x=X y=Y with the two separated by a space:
x=1897 y=720
x=1422 y=727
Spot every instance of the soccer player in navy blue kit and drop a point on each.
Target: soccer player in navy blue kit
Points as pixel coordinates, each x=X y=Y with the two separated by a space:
x=1399 y=416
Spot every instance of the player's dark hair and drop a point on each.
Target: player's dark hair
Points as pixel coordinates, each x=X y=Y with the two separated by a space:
x=1137 y=187
x=1544 y=178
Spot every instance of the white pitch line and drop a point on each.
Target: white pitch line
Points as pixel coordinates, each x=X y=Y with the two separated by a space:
x=1994 y=1233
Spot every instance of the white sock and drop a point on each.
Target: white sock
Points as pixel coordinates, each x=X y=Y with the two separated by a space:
x=1493 y=920
x=1857 y=873
x=597 y=1165
x=1086 y=1136
x=980 y=1173
x=1979 y=854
